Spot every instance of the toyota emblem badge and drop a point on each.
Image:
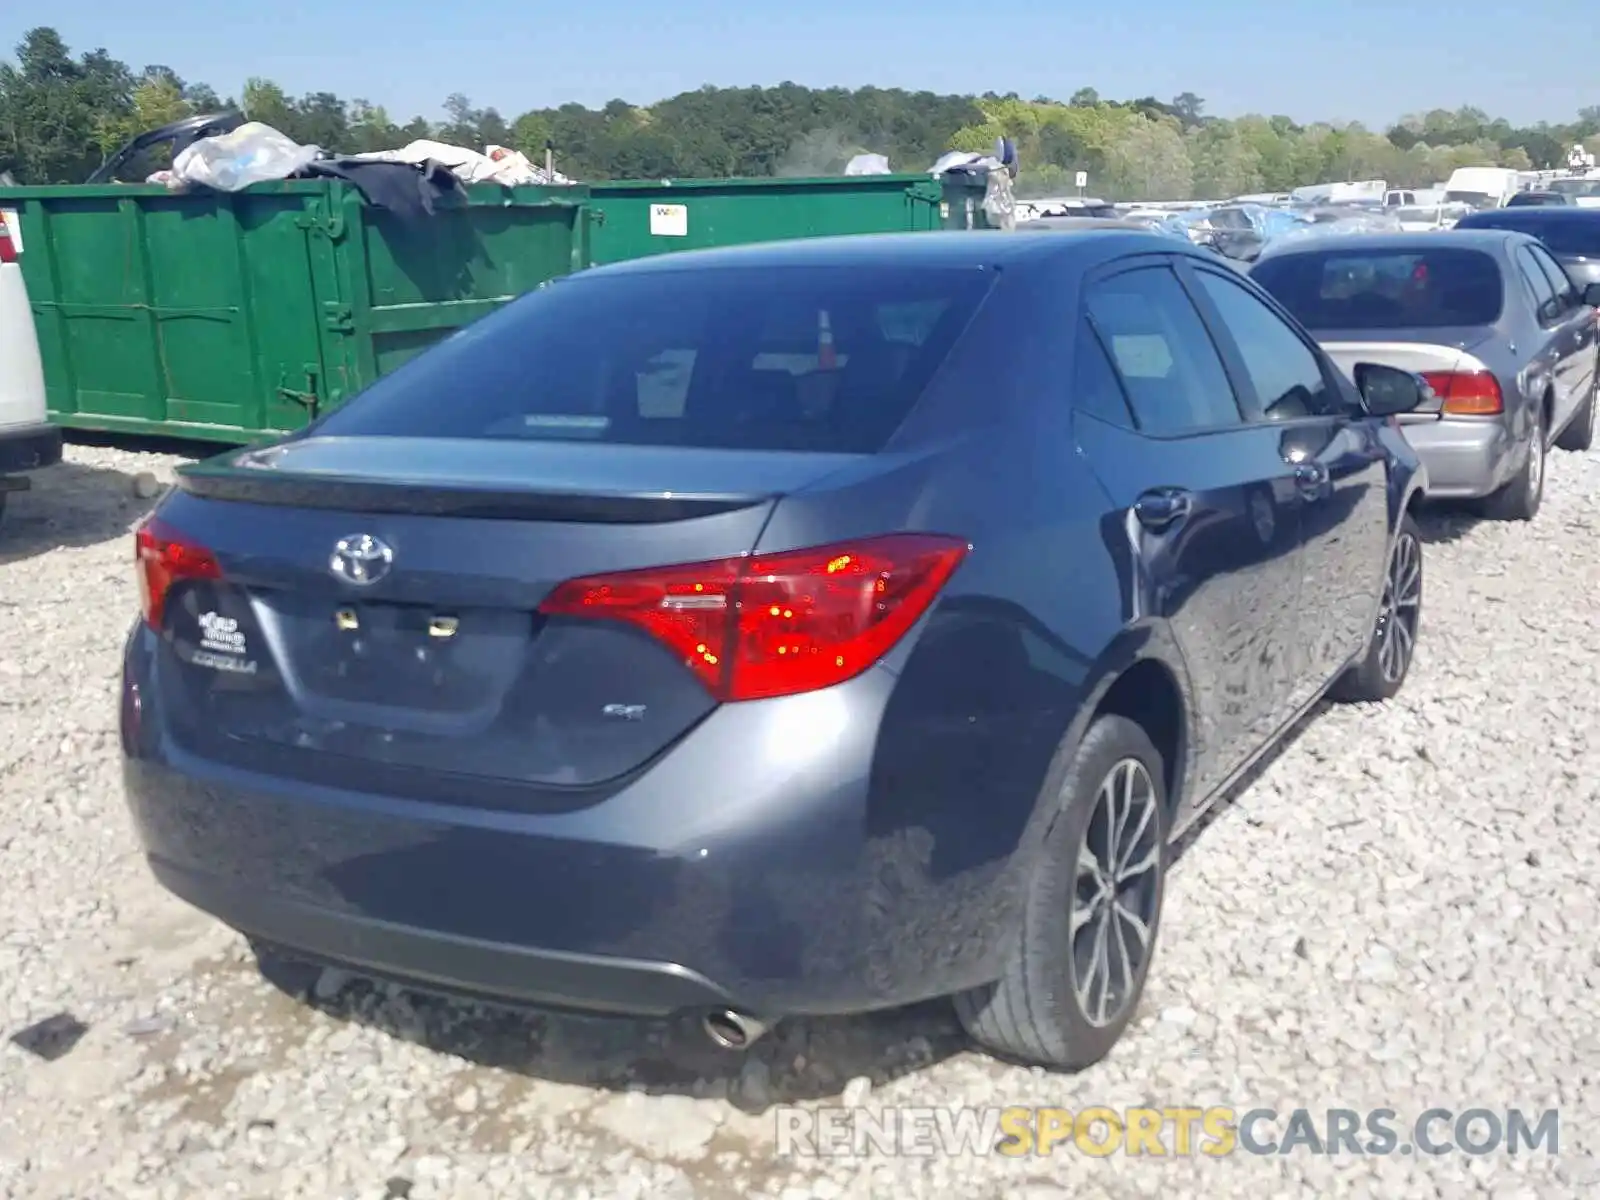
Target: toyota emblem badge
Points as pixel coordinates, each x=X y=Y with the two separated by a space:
x=361 y=559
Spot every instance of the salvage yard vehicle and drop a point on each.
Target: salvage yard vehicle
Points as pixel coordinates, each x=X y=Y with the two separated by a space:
x=797 y=629
x=27 y=439
x=1488 y=318
x=1482 y=187
x=1536 y=199
x=1583 y=192
x=1572 y=235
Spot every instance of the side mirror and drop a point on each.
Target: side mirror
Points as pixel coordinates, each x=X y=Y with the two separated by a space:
x=1591 y=295
x=1388 y=391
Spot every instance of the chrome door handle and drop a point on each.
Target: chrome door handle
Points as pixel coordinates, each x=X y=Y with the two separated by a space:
x=1162 y=508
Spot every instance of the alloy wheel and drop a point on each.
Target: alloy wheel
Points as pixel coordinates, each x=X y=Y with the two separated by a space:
x=1116 y=893
x=1401 y=610
x=1536 y=460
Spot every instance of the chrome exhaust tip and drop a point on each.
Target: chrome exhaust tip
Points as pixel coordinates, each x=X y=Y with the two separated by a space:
x=732 y=1030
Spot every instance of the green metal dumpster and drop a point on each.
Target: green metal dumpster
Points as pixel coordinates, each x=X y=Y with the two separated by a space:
x=634 y=219
x=228 y=317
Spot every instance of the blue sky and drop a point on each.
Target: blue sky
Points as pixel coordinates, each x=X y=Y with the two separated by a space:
x=1366 y=60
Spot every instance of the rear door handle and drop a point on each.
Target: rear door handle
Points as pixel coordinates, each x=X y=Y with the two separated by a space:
x=1161 y=508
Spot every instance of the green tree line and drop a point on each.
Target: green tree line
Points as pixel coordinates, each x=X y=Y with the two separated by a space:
x=61 y=114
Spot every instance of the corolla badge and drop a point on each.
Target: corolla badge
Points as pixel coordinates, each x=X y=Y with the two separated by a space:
x=361 y=559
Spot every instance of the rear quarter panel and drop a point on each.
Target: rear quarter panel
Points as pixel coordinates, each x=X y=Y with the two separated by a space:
x=1027 y=634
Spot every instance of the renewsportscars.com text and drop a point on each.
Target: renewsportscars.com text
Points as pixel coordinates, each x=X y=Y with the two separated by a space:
x=1179 y=1131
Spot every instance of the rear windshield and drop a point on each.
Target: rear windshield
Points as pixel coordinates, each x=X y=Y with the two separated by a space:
x=1566 y=233
x=1230 y=218
x=1430 y=289
x=1575 y=187
x=825 y=359
x=1577 y=239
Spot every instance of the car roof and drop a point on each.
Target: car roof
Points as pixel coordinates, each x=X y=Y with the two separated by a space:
x=952 y=248
x=1400 y=243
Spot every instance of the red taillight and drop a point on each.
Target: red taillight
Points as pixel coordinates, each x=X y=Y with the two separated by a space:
x=8 y=248
x=1467 y=393
x=776 y=624
x=165 y=557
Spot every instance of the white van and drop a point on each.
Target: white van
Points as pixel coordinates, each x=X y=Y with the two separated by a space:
x=27 y=439
x=1483 y=187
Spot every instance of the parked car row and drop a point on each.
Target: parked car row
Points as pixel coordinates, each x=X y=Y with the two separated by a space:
x=806 y=628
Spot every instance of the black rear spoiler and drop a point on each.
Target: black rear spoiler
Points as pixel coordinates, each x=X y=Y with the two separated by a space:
x=212 y=482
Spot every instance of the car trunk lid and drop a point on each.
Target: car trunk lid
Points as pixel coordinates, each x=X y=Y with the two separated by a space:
x=1428 y=352
x=374 y=616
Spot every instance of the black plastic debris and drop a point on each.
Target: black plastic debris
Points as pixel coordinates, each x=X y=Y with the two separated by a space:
x=52 y=1038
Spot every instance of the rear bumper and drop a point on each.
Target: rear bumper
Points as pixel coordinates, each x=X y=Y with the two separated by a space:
x=1465 y=459
x=27 y=447
x=428 y=959
x=822 y=867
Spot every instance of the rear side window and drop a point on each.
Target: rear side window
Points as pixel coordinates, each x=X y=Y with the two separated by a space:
x=1347 y=289
x=1286 y=375
x=825 y=359
x=1095 y=388
x=1539 y=284
x=1166 y=359
x=1560 y=281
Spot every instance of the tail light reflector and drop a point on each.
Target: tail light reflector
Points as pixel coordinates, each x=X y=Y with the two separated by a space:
x=776 y=624
x=164 y=558
x=1467 y=393
x=8 y=248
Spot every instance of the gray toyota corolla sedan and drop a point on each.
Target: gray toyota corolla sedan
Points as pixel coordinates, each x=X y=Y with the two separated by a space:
x=799 y=629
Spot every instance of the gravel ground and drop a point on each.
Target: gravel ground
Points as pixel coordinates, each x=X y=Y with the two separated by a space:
x=1400 y=912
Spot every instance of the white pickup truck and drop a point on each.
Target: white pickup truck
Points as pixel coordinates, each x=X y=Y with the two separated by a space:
x=27 y=439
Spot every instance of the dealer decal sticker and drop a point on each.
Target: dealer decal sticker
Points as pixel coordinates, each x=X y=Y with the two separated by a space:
x=222 y=646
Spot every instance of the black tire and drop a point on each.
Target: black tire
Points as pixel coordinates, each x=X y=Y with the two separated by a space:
x=1382 y=672
x=1579 y=433
x=1519 y=500
x=1035 y=1012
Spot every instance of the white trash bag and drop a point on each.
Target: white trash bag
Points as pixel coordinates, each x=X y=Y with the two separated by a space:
x=868 y=164
x=252 y=153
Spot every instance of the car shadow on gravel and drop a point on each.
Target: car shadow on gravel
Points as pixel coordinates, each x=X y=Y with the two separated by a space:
x=1442 y=522
x=798 y=1060
x=76 y=504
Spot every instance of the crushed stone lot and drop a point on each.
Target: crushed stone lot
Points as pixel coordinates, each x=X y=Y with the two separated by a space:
x=1399 y=912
